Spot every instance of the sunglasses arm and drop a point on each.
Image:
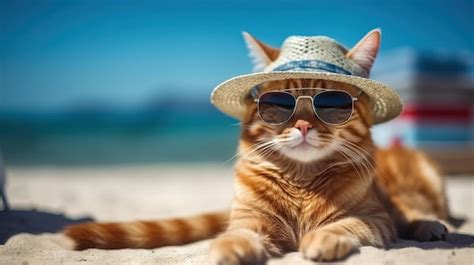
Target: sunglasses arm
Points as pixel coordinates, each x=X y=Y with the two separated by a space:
x=357 y=97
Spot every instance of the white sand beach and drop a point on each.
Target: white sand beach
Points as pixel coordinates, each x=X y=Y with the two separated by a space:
x=44 y=199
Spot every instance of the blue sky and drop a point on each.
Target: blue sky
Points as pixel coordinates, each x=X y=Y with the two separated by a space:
x=56 y=54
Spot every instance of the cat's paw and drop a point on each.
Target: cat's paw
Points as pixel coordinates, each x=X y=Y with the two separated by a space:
x=237 y=248
x=429 y=231
x=326 y=246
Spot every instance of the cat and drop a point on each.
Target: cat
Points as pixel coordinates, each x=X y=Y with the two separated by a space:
x=324 y=198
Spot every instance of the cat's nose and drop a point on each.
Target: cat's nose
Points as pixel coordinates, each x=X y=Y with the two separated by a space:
x=303 y=126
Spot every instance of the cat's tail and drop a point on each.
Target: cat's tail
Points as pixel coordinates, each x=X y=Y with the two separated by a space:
x=147 y=234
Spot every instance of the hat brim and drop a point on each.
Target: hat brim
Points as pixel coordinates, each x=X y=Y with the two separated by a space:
x=229 y=96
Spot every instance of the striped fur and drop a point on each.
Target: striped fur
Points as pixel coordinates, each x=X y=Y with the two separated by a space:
x=147 y=234
x=342 y=194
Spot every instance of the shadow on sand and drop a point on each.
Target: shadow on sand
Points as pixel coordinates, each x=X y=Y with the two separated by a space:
x=453 y=241
x=13 y=222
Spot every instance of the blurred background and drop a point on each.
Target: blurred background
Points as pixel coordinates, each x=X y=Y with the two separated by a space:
x=128 y=82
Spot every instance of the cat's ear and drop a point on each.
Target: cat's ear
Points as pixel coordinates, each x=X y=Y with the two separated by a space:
x=260 y=53
x=364 y=52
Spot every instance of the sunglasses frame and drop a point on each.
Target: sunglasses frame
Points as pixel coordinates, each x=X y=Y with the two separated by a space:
x=324 y=90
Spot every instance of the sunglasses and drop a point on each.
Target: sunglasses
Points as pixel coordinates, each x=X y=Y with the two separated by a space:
x=333 y=107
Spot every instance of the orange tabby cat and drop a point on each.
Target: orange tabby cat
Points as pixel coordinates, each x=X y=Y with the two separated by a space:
x=324 y=196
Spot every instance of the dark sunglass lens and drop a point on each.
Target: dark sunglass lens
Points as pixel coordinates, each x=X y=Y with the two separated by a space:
x=276 y=107
x=334 y=107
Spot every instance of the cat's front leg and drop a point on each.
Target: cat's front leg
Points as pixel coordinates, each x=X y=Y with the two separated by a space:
x=339 y=239
x=242 y=243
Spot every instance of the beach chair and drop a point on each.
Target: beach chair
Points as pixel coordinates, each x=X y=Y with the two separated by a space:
x=3 y=195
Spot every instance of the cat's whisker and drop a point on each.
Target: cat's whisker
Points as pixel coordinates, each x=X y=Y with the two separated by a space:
x=251 y=149
x=360 y=151
x=236 y=124
x=364 y=162
x=381 y=171
x=265 y=145
x=361 y=163
x=357 y=167
x=350 y=160
x=268 y=151
x=361 y=166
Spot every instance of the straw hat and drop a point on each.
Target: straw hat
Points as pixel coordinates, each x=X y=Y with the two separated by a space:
x=317 y=57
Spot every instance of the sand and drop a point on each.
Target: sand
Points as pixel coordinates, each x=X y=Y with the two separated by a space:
x=66 y=195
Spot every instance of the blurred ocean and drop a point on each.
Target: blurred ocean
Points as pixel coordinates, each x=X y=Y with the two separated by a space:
x=171 y=131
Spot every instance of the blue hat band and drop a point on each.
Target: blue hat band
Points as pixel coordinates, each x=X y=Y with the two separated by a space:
x=311 y=66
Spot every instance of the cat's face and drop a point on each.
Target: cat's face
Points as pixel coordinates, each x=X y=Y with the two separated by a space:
x=304 y=137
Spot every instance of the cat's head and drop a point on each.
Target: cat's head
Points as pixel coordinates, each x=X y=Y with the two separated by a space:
x=298 y=133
